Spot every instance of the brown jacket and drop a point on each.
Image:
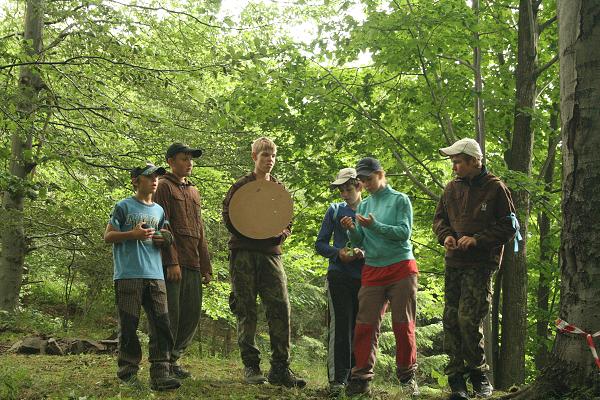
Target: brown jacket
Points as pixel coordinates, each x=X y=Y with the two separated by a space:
x=481 y=208
x=237 y=240
x=181 y=202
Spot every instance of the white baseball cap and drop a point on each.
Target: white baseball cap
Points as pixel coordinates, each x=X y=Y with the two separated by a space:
x=466 y=146
x=344 y=176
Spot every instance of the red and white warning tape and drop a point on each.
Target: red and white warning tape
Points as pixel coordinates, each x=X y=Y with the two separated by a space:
x=565 y=327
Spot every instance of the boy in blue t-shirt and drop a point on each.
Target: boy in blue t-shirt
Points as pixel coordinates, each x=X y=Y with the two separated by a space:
x=136 y=231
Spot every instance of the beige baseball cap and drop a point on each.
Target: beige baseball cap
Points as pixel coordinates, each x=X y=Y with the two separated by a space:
x=343 y=176
x=466 y=146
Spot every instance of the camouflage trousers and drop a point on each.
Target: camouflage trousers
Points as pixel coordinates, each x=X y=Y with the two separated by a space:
x=468 y=294
x=131 y=295
x=254 y=273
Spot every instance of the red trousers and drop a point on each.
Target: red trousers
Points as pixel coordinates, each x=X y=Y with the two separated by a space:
x=372 y=302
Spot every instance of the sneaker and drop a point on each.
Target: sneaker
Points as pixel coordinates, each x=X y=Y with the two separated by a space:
x=481 y=384
x=458 y=386
x=410 y=387
x=179 y=372
x=285 y=377
x=357 y=387
x=164 y=383
x=132 y=381
x=253 y=375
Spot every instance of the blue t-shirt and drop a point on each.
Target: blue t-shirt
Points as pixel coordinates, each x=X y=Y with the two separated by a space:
x=333 y=226
x=136 y=258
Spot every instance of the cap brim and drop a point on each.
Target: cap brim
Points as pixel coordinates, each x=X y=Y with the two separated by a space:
x=448 y=151
x=154 y=170
x=194 y=152
x=339 y=182
x=364 y=172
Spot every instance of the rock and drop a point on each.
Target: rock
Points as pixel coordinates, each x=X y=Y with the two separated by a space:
x=54 y=348
x=111 y=344
x=79 y=346
x=15 y=347
x=33 y=345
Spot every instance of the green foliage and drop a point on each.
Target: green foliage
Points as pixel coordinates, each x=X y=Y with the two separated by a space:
x=12 y=380
x=125 y=81
x=310 y=349
x=428 y=335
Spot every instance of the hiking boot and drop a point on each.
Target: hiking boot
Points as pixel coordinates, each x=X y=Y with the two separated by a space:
x=481 y=384
x=164 y=383
x=357 y=387
x=253 y=375
x=410 y=387
x=132 y=381
x=458 y=386
x=335 y=388
x=179 y=372
x=285 y=377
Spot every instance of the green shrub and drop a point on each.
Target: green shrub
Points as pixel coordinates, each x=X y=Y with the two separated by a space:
x=12 y=379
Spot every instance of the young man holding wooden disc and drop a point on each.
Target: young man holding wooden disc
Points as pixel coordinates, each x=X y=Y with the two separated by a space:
x=256 y=269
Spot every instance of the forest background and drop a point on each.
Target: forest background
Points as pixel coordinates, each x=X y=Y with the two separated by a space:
x=108 y=85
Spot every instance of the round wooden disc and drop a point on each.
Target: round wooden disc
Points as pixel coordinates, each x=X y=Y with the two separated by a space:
x=261 y=209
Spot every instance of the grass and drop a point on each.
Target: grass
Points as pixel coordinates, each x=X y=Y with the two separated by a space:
x=87 y=377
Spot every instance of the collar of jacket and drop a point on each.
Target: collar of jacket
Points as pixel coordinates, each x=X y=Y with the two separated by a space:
x=382 y=192
x=476 y=180
x=252 y=176
x=170 y=176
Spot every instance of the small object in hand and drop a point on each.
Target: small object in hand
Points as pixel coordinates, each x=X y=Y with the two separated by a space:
x=157 y=234
x=148 y=240
x=349 y=249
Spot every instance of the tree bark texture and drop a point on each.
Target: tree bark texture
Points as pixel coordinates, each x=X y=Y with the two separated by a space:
x=511 y=363
x=571 y=372
x=478 y=86
x=546 y=252
x=13 y=238
x=579 y=35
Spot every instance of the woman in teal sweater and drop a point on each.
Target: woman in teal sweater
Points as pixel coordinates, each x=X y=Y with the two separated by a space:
x=383 y=228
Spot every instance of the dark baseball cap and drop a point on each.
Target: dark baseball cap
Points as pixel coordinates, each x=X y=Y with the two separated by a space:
x=182 y=148
x=148 y=170
x=367 y=166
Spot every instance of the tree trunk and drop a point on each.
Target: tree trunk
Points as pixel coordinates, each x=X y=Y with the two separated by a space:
x=546 y=253
x=511 y=368
x=14 y=244
x=579 y=34
x=572 y=373
x=478 y=106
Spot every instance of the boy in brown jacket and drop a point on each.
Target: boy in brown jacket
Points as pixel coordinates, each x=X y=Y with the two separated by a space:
x=186 y=263
x=474 y=218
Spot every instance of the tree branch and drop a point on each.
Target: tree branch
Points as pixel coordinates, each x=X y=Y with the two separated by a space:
x=196 y=19
x=413 y=179
x=544 y=67
x=360 y=110
x=458 y=60
x=546 y=24
x=61 y=36
x=69 y=61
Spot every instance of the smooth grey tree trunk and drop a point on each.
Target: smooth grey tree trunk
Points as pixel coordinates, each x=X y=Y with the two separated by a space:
x=571 y=372
x=579 y=37
x=547 y=254
x=14 y=245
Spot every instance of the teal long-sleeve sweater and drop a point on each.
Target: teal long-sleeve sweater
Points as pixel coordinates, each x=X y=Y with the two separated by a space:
x=387 y=240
